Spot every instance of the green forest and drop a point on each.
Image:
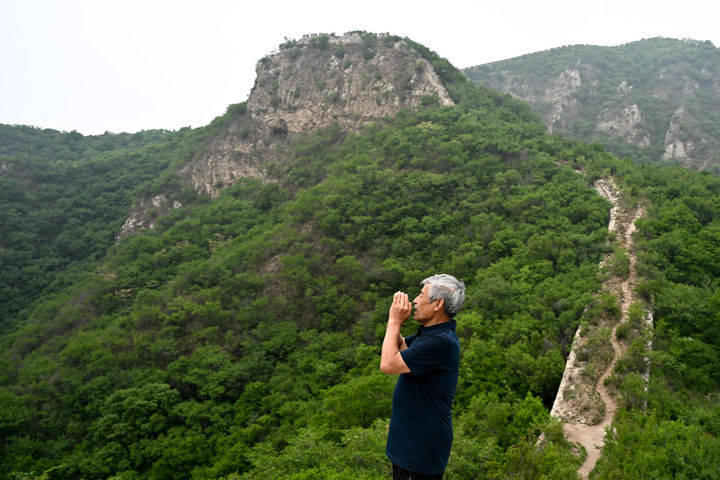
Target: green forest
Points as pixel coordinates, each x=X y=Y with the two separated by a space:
x=240 y=338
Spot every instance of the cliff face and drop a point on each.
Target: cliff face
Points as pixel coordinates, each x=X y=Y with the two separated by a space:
x=657 y=100
x=312 y=83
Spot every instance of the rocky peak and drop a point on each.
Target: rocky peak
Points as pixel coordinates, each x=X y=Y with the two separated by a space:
x=315 y=82
x=348 y=80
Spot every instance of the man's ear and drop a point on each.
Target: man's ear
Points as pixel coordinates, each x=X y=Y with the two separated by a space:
x=440 y=303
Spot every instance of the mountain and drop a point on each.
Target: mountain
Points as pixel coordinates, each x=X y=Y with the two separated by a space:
x=239 y=335
x=655 y=100
x=312 y=83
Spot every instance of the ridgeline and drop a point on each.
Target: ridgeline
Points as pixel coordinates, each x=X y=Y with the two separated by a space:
x=655 y=100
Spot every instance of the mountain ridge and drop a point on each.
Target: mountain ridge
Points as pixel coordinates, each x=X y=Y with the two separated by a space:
x=657 y=99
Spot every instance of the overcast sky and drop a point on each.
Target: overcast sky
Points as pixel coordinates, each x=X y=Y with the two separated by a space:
x=107 y=65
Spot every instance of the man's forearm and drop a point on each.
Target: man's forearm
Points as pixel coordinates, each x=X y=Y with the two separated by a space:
x=392 y=342
x=391 y=362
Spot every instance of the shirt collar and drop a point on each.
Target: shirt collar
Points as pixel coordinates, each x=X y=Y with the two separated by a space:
x=440 y=326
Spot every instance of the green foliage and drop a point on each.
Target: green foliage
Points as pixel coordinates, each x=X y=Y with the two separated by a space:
x=63 y=203
x=620 y=263
x=490 y=417
x=643 y=446
x=358 y=401
x=664 y=430
x=288 y=43
x=466 y=95
x=321 y=42
x=430 y=101
x=369 y=42
x=339 y=50
x=258 y=316
x=240 y=337
x=622 y=331
x=237 y=109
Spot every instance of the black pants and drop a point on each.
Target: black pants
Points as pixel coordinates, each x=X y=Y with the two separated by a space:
x=402 y=474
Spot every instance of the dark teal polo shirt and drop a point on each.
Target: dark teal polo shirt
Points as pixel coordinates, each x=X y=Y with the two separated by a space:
x=421 y=432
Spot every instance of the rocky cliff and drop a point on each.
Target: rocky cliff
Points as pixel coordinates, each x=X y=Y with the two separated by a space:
x=657 y=100
x=315 y=82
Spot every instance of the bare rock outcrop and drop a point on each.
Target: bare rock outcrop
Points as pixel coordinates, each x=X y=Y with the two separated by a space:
x=146 y=212
x=313 y=83
x=627 y=123
x=677 y=144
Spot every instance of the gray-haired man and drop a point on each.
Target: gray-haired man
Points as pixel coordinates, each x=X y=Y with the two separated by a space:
x=421 y=424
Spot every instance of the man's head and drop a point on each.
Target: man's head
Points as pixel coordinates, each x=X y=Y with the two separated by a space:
x=442 y=296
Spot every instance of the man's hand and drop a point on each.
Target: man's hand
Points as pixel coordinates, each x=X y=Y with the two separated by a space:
x=391 y=362
x=400 y=308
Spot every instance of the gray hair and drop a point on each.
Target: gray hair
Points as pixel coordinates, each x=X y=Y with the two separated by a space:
x=449 y=288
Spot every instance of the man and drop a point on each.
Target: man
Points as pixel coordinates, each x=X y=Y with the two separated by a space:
x=421 y=423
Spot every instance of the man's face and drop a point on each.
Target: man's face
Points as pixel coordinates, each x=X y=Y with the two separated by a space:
x=424 y=308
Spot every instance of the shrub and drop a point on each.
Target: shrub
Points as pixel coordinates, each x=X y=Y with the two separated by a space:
x=430 y=100
x=288 y=43
x=636 y=313
x=237 y=109
x=622 y=331
x=320 y=42
x=633 y=392
x=620 y=264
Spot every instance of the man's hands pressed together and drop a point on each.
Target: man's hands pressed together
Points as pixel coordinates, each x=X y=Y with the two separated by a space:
x=400 y=308
x=391 y=362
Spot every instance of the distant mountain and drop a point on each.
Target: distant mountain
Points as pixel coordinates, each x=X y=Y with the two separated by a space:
x=657 y=100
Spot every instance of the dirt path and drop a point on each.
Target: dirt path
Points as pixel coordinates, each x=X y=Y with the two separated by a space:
x=587 y=409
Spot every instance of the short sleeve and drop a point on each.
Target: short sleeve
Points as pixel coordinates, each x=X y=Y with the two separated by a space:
x=427 y=355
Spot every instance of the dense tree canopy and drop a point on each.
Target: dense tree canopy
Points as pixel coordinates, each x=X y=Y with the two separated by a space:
x=240 y=338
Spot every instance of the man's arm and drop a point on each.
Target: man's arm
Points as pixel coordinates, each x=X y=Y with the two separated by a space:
x=391 y=362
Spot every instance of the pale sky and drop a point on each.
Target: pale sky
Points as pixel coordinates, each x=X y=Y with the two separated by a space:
x=130 y=65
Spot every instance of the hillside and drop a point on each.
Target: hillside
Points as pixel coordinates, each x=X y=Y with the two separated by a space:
x=655 y=100
x=63 y=199
x=239 y=337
